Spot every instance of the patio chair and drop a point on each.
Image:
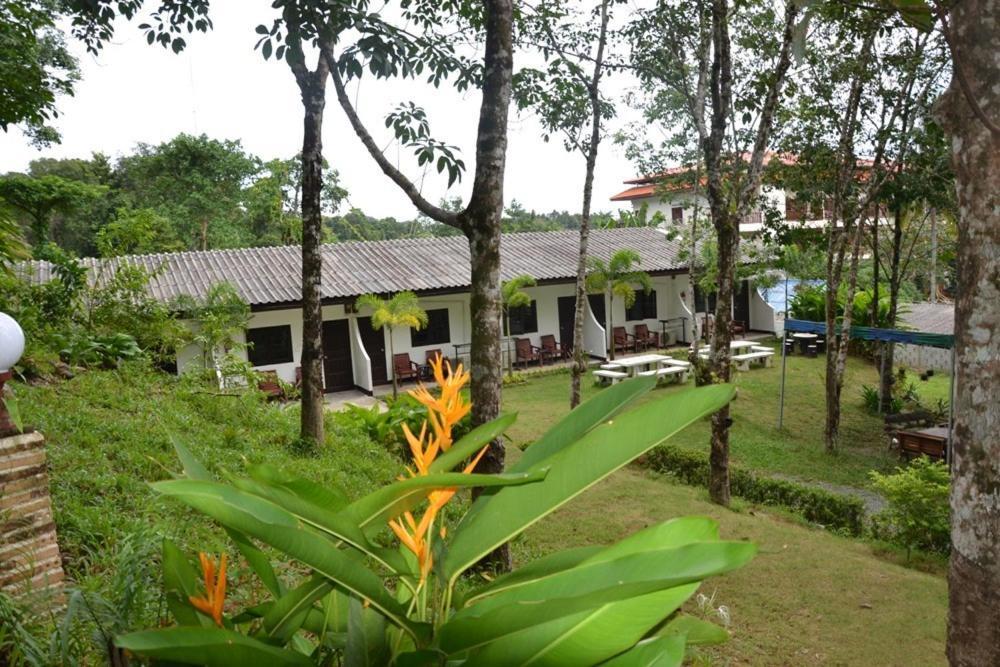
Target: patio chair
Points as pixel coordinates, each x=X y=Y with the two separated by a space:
x=270 y=385
x=646 y=338
x=737 y=327
x=622 y=340
x=431 y=355
x=526 y=352
x=553 y=349
x=404 y=368
x=298 y=377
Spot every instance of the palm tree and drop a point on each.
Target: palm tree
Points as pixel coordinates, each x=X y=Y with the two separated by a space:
x=616 y=277
x=512 y=296
x=402 y=310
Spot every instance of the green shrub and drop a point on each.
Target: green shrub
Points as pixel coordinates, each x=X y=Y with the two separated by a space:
x=841 y=513
x=917 y=513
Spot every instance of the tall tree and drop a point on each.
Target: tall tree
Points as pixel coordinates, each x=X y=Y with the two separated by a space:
x=197 y=183
x=727 y=91
x=567 y=97
x=616 y=277
x=970 y=112
x=35 y=67
x=388 y=50
x=37 y=200
x=401 y=310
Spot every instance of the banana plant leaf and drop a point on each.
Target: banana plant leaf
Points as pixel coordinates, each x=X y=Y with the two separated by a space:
x=587 y=587
x=589 y=637
x=656 y=652
x=574 y=468
x=213 y=647
x=470 y=444
x=272 y=525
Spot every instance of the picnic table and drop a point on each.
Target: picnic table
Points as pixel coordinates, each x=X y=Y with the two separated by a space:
x=804 y=340
x=642 y=361
x=734 y=345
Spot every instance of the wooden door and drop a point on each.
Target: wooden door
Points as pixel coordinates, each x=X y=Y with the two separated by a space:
x=337 y=367
x=374 y=342
x=567 y=317
x=741 y=304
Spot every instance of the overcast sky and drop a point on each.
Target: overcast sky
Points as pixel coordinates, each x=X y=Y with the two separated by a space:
x=220 y=86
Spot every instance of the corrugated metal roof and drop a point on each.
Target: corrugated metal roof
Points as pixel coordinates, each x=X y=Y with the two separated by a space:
x=274 y=275
x=929 y=317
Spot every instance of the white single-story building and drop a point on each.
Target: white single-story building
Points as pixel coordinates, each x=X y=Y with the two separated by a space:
x=437 y=269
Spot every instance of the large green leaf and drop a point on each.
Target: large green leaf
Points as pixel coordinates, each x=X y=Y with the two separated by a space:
x=535 y=570
x=288 y=612
x=272 y=525
x=656 y=652
x=586 y=638
x=180 y=581
x=470 y=444
x=390 y=501
x=193 y=468
x=575 y=468
x=208 y=646
x=582 y=419
x=258 y=561
x=672 y=533
x=366 y=638
x=331 y=497
x=335 y=524
x=589 y=586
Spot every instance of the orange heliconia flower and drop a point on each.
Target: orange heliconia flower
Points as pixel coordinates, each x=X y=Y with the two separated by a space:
x=215 y=588
x=443 y=412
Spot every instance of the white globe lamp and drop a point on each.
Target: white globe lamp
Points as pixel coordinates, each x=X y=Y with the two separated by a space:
x=11 y=349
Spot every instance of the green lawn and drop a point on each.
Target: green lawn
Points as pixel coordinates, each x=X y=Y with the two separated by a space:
x=796 y=450
x=809 y=597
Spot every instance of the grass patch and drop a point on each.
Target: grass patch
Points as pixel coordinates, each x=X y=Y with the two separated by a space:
x=109 y=435
x=797 y=450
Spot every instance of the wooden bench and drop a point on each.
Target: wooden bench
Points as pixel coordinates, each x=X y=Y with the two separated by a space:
x=270 y=385
x=931 y=442
x=742 y=361
x=610 y=376
x=679 y=371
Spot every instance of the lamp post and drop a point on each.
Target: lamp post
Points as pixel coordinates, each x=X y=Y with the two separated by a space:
x=11 y=349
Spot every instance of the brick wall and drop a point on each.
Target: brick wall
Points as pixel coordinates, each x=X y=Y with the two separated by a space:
x=29 y=554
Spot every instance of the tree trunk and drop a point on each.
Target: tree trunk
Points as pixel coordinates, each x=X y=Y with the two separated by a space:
x=933 y=292
x=312 y=86
x=392 y=355
x=609 y=322
x=974 y=573
x=727 y=233
x=888 y=350
x=579 y=354
x=835 y=380
x=481 y=222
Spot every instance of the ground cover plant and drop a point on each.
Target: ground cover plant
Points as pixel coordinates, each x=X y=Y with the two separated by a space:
x=800 y=600
x=607 y=605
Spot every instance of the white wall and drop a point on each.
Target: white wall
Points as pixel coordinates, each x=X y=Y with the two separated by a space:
x=668 y=304
x=359 y=358
x=761 y=313
x=458 y=324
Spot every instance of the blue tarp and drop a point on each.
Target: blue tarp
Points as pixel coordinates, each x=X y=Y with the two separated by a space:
x=946 y=341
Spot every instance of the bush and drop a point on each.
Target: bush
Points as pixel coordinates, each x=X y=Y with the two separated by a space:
x=917 y=513
x=842 y=513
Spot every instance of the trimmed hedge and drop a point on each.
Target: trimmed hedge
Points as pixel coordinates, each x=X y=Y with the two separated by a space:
x=841 y=513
